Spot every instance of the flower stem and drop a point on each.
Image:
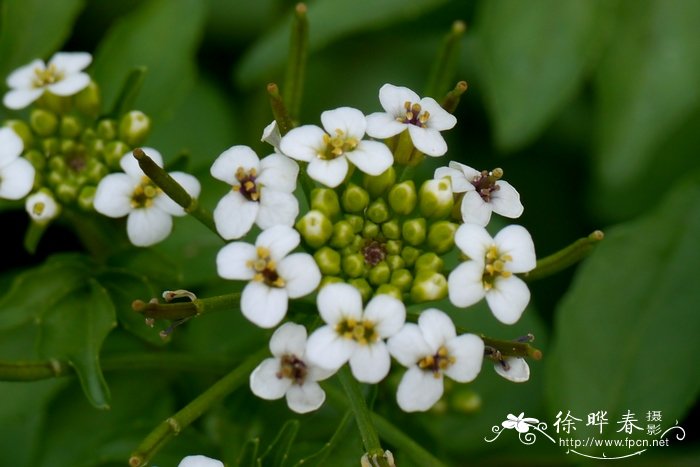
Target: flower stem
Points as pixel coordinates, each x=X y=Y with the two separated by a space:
x=512 y=348
x=298 y=51
x=445 y=61
x=564 y=258
x=183 y=310
x=188 y=414
x=129 y=92
x=279 y=110
x=173 y=189
x=451 y=100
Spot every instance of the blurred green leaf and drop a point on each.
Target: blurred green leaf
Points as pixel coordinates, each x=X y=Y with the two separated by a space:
x=628 y=326
x=161 y=35
x=647 y=84
x=329 y=21
x=277 y=453
x=533 y=57
x=249 y=454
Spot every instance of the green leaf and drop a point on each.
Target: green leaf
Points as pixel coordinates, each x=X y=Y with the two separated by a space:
x=627 y=329
x=277 y=453
x=161 y=35
x=533 y=57
x=647 y=84
x=328 y=21
x=249 y=454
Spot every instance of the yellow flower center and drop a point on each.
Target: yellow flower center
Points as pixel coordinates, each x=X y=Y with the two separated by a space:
x=265 y=268
x=495 y=266
x=46 y=76
x=363 y=332
x=437 y=363
x=292 y=368
x=414 y=115
x=144 y=194
x=336 y=146
x=38 y=208
x=246 y=184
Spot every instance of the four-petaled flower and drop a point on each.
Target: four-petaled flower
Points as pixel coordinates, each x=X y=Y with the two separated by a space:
x=484 y=192
x=404 y=110
x=275 y=276
x=489 y=271
x=261 y=191
x=16 y=173
x=63 y=76
x=133 y=194
x=354 y=335
x=289 y=374
x=520 y=423
x=200 y=461
x=41 y=207
x=431 y=349
x=329 y=151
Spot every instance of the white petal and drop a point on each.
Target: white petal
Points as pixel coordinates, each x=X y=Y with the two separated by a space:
x=393 y=99
x=469 y=173
x=280 y=240
x=464 y=284
x=271 y=135
x=351 y=122
x=383 y=125
x=370 y=363
x=276 y=208
x=516 y=241
x=508 y=299
x=506 y=200
x=440 y=119
x=279 y=173
x=459 y=183
x=234 y=215
x=388 y=314
x=289 y=339
x=468 y=351
x=418 y=390
x=437 y=328
x=71 y=62
x=339 y=301
x=20 y=98
x=518 y=370
x=473 y=240
x=428 y=141
x=474 y=209
x=11 y=146
x=148 y=226
x=316 y=373
x=408 y=346
x=264 y=306
x=303 y=143
x=70 y=85
x=113 y=195
x=300 y=273
x=265 y=383
x=329 y=172
x=199 y=461
x=23 y=77
x=233 y=259
x=305 y=398
x=16 y=179
x=371 y=157
x=225 y=166
x=326 y=349
x=191 y=186
x=130 y=165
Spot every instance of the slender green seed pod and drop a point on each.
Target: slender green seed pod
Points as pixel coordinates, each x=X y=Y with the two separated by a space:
x=326 y=201
x=429 y=261
x=403 y=197
x=441 y=236
x=370 y=230
x=354 y=265
x=363 y=286
x=134 y=128
x=410 y=255
x=107 y=129
x=71 y=127
x=427 y=286
x=414 y=231
x=435 y=198
x=43 y=122
x=402 y=278
x=315 y=228
x=23 y=131
x=393 y=247
x=354 y=199
x=343 y=234
x=377 y=185
x=378 y=211
x=357 y=222
x=389 y=289
x=395 y=262
x=379 y=274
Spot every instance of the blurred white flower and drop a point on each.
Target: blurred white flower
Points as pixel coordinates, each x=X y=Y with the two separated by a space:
x=41 y=207
x=514 y=369
x=200 y=461
x=16 y=173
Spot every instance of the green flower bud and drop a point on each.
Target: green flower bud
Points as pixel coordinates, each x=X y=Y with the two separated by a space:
x=354 y=198
x=465 y=401
x=363 y=286
x=315 y=228
x=429 y=261
x=402 y=278
x=43 y=122
x=403 y=197
x=370 y=230
x=435 y=198
x=325 y=280
x=67 y=146
x=377 y=185
x=395 y=262
x=379 y=274
x=410 y=255
x=441 y=236
x=414 y=231
x=328 y=261
x=134 y=128
x=343 y=234
x=326 y=201
x=55 y=178
x=22 y=130
x=113 y=153
x=57 y=164
x=428 y=285
x=66 y=192
x=354 y=246
x=107 y=129
x=378 y=211
x=95 y=170
x=71 y=127
x=88 y=100
x=86 y=197
x=36 y=158
x=393 y=247
x=354 y=265
x=389 y=289
x=54 y=103
x=391 y=229
x=96 y=149
x=357 y=222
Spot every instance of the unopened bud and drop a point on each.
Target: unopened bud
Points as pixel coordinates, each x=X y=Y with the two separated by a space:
x=315 y=228
x=403 y=197
x=389 y=289
x=107 y=129
x=22 y=130
x=355 y=199
x=86 y=197
x=395 y=262
x=391 y=229
x=370 y=230
x=465 y=401
x=378 y=211
x=51 y=146
x=113 y=153
x=354 y=265
x=377 y=185
x=42 y=207
x=67 y=146
x=326 y=201
x=70 y=127
x=57 y=164
x=134 y=128
x=429 y=261
x=435 y=198
x=379 y=274
x=43 y=122
x=343 y=234
x=88 y=100
x=36 y=158
x=328 y=261
x=357 y=222
x=95 y=171
x=410 y=255
x=325 y=280
x=428 y=285
x=66 y=192
x=363 y=286
x=441 y=236
x=402 y=278
x=393 y=247
x=414 y=231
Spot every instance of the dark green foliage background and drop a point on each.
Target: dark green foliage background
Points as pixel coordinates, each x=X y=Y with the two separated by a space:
x=592 y=107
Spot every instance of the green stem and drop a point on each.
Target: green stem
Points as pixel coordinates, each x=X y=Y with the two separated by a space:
x=512 y=348
x=129 y=92
x=279 y=110
x=174 y=190
x=32 y=236
x=183 y=310
x=298 y=52
x=446 y=60
x=564 y=258
x=451 y=100
x=175 y=424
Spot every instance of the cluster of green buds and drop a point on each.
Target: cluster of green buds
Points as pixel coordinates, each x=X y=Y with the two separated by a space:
x=383 y=236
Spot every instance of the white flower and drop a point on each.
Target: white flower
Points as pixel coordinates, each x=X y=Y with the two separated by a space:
x=261 y=191
x=275 y=276
x=490 y=270
x=16 y=173
x=62 y=76
x=133 y=194
x=41 y=207
x=484 y=192
x=329 y=151
x=354 y=335
x=200 y=461
x=272 y=136
x=430 y=350
x=521 y=423
x=424 y=119
x=288 y=373
x=514 y=369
